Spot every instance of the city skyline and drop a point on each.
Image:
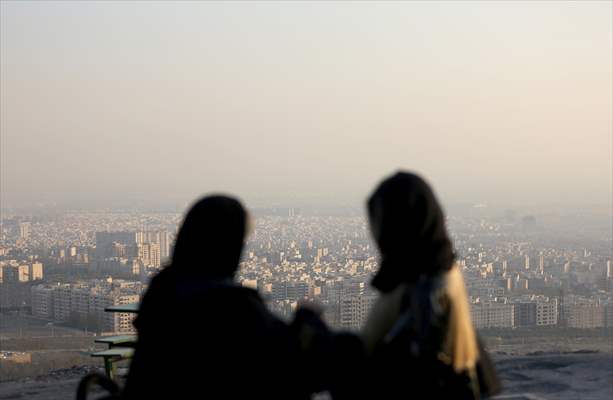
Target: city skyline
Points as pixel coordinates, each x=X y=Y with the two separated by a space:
x=118 y=117
x=288 y=257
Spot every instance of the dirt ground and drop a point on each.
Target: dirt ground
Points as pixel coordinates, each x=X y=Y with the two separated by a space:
x=573 y=376
x=549 y=365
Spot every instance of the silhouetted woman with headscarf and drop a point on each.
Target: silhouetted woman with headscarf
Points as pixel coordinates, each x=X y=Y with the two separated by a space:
x=202 y=336
x=419 y=337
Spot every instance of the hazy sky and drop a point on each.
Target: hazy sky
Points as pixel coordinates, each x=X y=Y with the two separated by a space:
x=506 y=103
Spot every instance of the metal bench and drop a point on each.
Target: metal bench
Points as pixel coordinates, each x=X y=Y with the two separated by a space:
x=121 y=347
x=112 y=356
x=118 y=341
x=131 y=308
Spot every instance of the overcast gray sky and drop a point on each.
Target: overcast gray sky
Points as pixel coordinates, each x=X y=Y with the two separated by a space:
x=501 y=102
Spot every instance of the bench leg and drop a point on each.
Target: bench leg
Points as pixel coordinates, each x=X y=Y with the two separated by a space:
x=109 y=367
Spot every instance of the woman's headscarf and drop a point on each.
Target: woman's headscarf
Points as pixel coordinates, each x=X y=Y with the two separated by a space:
x=409 y=228
x=210 y=241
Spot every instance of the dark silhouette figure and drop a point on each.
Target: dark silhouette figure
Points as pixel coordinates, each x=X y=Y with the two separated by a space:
x=202 y=336
x=419 y=339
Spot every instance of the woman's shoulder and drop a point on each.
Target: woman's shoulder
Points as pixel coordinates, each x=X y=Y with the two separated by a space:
x=388 y=305
x=381 y=317
x=394 y=298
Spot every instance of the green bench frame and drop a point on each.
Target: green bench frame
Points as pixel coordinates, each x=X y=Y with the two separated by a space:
x=111 y=356
x=118 y=341
x=120 y=348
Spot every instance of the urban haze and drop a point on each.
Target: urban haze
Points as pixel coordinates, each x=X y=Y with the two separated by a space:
x=116 y=116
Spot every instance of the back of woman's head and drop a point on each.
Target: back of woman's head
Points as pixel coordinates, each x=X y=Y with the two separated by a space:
x=211 y=238
x=409 y=227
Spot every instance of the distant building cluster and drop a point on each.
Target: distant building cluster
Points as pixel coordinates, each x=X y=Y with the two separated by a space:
x=132 y=252
x=354 y=310
x=12 y=271
x=523 y=311
x=16 y=274
x=83 y=303
x=518 y=274
x=586 y=312
x=326 y=259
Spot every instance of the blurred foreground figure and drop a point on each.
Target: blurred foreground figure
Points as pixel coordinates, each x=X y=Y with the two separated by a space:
x=202 y=336
x=419 y=338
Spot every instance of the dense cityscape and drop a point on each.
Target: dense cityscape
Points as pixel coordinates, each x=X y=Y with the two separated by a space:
x=115 y=116
x=520 y=270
